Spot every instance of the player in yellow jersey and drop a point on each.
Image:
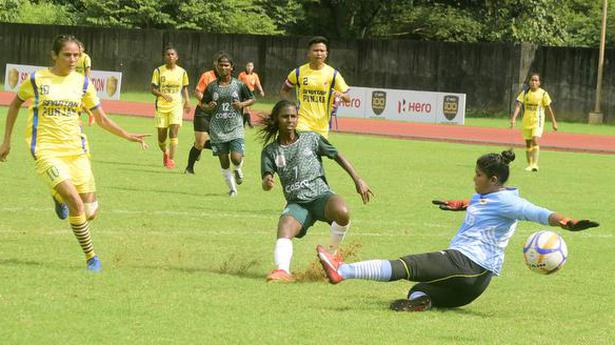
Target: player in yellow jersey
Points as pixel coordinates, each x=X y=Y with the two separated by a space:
x=316 y=87
x=57 y=142
x=170 y=85
x=534 y=101
x=84 y=66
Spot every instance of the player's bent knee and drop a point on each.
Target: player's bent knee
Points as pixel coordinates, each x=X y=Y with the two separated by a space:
x=288 y=227
x=91 y=209
x=341 y=213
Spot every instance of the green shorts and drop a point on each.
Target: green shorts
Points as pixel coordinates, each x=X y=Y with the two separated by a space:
x=235 y=145
x=307 y=213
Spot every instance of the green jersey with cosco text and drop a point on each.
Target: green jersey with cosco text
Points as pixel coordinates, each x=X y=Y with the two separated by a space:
x=299 y=166
x=226 y=122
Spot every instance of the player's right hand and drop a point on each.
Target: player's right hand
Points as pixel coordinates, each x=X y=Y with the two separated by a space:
x=5 y=149
x=168 y=98
x=452 y=205
x=512 y=123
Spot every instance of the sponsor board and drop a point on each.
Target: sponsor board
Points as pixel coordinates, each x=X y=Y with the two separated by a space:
x=404 y=105
x=108 y=84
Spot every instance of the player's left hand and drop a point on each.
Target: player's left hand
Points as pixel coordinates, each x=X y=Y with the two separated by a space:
x=555 y=128
x=139 y=138
x=237 y=105
x=577 y=225
x=363 y=190
x=187 y=107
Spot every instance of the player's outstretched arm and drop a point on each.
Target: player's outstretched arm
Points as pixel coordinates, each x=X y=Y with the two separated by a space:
x=452 y=205
x=106 y=123
x=556 y=219
x=361 y=186
x=11 y=116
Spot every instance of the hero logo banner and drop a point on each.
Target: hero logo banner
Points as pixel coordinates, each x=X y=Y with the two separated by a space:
x=379 y=101
x=404 y=105
x=410 y=106
x=450 y=105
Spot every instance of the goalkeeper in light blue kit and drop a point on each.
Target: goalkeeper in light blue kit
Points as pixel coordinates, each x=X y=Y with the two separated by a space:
x=458 y=275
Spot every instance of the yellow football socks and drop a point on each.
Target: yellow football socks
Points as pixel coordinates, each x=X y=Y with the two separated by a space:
x=81 y=229
x=535 y=154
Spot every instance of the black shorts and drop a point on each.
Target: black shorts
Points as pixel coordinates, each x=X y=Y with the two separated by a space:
x=201 y=120
x=448 y=277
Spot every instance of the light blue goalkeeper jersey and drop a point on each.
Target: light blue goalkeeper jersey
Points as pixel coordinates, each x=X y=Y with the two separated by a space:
x=491 y=219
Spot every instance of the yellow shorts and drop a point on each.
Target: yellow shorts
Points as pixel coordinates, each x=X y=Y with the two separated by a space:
x=77 y=169
x=529 y=133
x=172 y=117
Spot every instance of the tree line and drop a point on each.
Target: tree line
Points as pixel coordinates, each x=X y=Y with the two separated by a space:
x=575 y=23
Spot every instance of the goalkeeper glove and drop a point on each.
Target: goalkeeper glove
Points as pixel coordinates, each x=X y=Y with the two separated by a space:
x=452 y=205
x=577 y=225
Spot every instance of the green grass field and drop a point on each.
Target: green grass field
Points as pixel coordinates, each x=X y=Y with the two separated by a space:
x=183 y=263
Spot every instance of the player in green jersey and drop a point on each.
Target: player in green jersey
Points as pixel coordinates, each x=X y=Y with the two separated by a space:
x=296 y=158
x=225 y=99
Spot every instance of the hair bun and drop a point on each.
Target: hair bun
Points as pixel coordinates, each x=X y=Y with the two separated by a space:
x=507 y=156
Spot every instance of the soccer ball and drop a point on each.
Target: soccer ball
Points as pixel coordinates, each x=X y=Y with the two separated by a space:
x=545 y=252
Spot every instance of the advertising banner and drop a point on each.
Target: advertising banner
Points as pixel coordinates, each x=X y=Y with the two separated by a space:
x=108 y=84
x=404 y=105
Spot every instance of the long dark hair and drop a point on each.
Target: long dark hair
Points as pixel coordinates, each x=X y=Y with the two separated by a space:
x=496 y=164
x=269 y=130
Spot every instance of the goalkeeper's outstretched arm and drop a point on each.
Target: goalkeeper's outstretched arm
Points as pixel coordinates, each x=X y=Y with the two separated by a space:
x=556 y=219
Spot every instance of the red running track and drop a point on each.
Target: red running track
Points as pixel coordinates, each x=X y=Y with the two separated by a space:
x=562 y=141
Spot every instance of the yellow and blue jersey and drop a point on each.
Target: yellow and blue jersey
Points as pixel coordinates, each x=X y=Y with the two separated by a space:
x=314 y=96
x=169 y=82
x=491 y=220
x=534 y=104
x=54 y=127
